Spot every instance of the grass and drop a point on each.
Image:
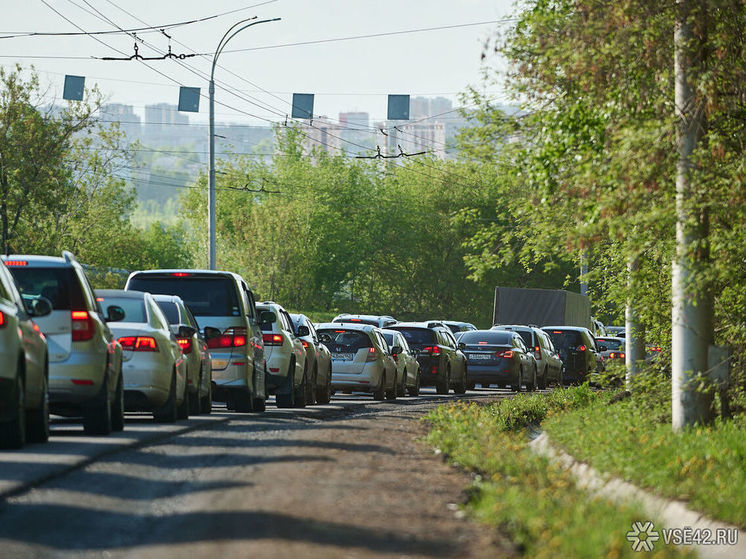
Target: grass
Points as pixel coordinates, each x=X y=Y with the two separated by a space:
x=535 y=502
x=633 y=439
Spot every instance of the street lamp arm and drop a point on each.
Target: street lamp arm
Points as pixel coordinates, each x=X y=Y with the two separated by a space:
x=230 y=34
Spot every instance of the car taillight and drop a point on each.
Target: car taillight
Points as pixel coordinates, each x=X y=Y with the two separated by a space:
x=432 y=350
x=181 y=274
x=305 y=344
x=185 y=344
x=508 y=354
x=138 y=343
x=581 y=348
x=82 y=326
x=3 y=322
x=16 y=262
x=226 y=340
x=619 y=355
x=272 y=339
x=537 y=352
x=372 y=354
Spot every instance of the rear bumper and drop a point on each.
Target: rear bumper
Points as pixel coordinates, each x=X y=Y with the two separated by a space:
x=432 y=370
x=491 y=374
x=80 y=367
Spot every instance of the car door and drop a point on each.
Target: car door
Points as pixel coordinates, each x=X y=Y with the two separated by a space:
x=459 y=359
x=254 y=335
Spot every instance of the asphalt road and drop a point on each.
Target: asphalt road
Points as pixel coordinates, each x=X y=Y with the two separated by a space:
x=350 y=479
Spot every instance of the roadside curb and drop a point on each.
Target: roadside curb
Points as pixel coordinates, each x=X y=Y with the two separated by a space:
x=63 y=470
x=671 y=512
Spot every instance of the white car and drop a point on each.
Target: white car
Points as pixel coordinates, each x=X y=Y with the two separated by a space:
x=407 y=367
x=319 y=358
x=24 y=367
x=194 y=347
x=288 y=376
x=153 y=365
x=361 y=360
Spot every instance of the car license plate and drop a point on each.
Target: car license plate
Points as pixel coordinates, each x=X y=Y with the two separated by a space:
x=476 y=356
x=343 y=356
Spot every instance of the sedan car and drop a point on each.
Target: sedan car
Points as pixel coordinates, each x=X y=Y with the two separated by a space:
x=154 y=368
x=24 y=367
x=319 y=358
x=499 y=357
x=194 y=347
x=361 y=360
x=548 y=363
x=408 y=369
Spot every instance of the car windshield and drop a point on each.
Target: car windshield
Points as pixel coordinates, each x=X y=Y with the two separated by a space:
x=565 y=339
x=417 y=336
x=59 y=285
x=346 y=341
x=170 y=310
x=486 y=336
x=610 y=344
x=134 y=309
x=213 y=296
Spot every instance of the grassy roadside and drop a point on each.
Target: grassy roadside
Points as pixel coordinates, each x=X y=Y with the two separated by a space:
x=535 y=502
x=632 y=439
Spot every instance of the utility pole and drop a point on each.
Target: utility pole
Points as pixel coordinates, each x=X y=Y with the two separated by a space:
x=634 y=335
x=211 y=205
x=691 y=315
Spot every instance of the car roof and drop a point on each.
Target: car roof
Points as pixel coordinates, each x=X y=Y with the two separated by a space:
x=615 y=338
x=121 y=293
x=512 y=327
x=196 y=272
x=167 y=298
x=36 y=259
x=572 y=328
x=427 y=325
x=347 y=326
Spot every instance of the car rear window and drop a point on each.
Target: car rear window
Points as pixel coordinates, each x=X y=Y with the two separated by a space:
x=417 y=336
x=565 y=339
x=389 y=338
x=59 y=285
x=346 y=341
x=213 y=296
x=610 y=344
x=489 y=336
x=171 y=310
x=134 y=309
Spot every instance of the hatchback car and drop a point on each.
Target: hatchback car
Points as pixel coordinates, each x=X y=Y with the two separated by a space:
x=194 y=347
x=288 y=376
x=319 y=360
x=154 y=368
x=408 y=369
x=548 y=363
x=375 y=320
x=499 y=357
x=361 y=360
x=442 y=363
x=24 y=367
x=577 y=349
x=225 y=310
x=85 y=360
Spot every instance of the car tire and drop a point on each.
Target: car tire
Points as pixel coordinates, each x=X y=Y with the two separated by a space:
x=393 y=392
x=287 y=400
x=195 y=405
x=380 y=392
x=516 y=386
x=205 y=403
x=460 y=387
x=543 y=380
x=415 y=390
x=97 y=417
x=311 y=388
x=13 y=432
x=442 y=386
x=324 y=395
x=117 y=411
x=167 y=412
x=301 y=391
x=182 y=412
x=37 y=420
x=534 y=383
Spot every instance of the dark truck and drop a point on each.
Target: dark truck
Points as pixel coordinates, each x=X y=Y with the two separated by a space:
x=542 y=307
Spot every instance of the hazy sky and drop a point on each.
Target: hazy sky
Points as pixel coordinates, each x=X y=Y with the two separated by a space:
x=344 y=75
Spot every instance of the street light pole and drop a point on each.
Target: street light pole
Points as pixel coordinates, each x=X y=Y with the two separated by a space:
x=211 y=197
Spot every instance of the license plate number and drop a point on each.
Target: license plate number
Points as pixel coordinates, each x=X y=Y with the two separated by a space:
x=477 y=356
x=343 y=356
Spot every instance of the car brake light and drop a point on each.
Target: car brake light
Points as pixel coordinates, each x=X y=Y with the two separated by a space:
x=355 y=320
x=372 y=354
x=185 y=344
x=433 y=350
x=304 y=343
x=272 y=339
x=581 y=348
x=537 y=353
x=507 y=354
x=3 y=322
x=82 y=326
x=16 y=263
x=482 y=343
x=622 y=356
x=180 y=274
x=138 y=343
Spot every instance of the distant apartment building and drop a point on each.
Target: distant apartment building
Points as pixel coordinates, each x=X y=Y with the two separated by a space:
x=129 y=122
x=165 y=125
x=415 y=137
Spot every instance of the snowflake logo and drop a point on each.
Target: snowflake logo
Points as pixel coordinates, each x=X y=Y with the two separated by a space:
x=643 y=536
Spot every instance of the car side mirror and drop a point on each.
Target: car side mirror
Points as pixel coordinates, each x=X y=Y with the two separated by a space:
x=267 y=317
x=303 y=331
x=461 y=345
x=211 y=332
x=186 y=331
x=396 y=350
x=39 y=307
x=114 y=313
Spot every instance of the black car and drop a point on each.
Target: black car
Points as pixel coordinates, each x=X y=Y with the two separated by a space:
x=548 y=363
x=577 y=349
x=442 y=363
x=499 y=357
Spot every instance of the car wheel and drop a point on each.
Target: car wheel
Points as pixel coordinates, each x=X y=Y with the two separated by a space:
x=37 y=420
x=117 y=412
x=516 y=386
x=300 y=392
x=460 y=387
x=311 y=388
x=13 y=432
x=532 y=387
x=402 y=386
x=259 y=405
x=167 y=412
x=205 y=405
x=392 y=392
x=380 y=392
x=287 y=400
x=442 y=386
x=97 y=417
x=182 y=411
x=415 y=390
x=195 y=405
x=543 y=380
x=324 y=395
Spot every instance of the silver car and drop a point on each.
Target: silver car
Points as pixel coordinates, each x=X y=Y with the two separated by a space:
x=85 y=360
x=155 y=375
x=194 y=346
x=361 y=360
x=408 y=369
x=24 y=367
x=319 y=357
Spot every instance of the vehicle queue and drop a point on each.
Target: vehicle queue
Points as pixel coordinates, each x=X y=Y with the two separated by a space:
x=174 y=341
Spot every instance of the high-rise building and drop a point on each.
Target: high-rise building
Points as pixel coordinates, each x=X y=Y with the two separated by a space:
x=129 y=122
